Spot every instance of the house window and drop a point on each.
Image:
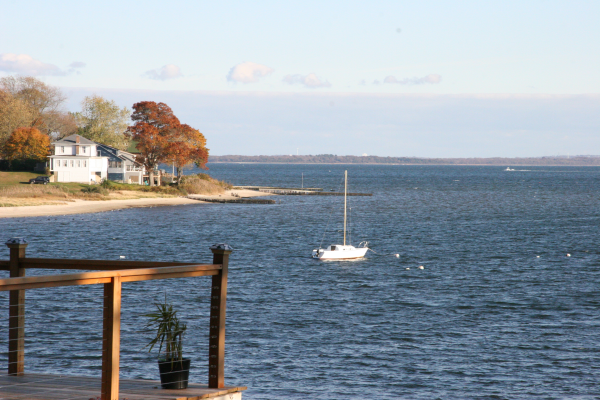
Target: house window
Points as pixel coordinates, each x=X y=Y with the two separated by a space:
x=83 y=149
x=62 y=149
x=72 y=163
x=84 y=163
x=58 y=163
x=79 y=163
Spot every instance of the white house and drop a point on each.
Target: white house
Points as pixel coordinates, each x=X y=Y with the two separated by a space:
x=77 y=159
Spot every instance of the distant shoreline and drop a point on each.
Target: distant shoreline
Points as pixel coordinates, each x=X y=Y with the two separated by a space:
x=329 y=159
x=421 y=165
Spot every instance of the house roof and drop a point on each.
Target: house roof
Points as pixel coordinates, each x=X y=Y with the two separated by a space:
x=71 y=140
x=104 y=148
x=123 y=155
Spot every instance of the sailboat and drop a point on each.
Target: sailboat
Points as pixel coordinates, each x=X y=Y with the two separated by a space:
x=342 y=251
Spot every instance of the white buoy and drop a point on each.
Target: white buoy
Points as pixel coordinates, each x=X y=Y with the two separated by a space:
x=397 y=255
x=121 y=257
x=421 y=267
x=407 y=268
x=568 y=255
x=537 y=256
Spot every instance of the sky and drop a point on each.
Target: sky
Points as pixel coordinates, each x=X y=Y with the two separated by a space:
x=389 y=78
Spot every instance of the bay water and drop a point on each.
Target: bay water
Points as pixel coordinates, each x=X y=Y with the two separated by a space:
x=505 y=306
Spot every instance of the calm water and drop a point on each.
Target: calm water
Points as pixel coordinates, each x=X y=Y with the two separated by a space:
x=485 y=319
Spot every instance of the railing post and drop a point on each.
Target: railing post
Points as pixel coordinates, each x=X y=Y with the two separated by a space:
x=111 y=339
x=218 y=301
x=16 y=310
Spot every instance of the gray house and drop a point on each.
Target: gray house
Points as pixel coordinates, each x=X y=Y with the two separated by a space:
x=122 y=166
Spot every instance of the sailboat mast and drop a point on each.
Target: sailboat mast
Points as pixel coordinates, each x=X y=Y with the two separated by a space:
x=345 y=203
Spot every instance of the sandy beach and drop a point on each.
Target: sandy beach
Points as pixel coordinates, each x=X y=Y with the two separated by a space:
x=94 y=206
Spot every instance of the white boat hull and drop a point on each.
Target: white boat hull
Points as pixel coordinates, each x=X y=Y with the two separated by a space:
x=339 y=252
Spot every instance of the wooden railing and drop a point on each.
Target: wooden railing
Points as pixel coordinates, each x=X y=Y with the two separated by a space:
x=112 y=275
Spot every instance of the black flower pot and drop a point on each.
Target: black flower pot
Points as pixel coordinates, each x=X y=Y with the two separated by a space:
x=174 y=374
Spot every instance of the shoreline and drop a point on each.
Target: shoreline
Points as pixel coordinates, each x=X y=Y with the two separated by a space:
x=96 y=206
x=410 y=165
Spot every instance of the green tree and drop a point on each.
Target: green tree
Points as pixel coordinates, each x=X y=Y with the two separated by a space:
x=103 y=121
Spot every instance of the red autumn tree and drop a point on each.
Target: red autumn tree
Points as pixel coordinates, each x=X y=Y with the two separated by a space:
x=188 y=145
x=153 y=128
x=26 y=144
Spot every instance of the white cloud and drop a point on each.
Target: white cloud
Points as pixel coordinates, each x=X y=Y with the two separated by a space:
x=431 y=78
x=74 y=66
x=310 y=81
x=169 y=71
x=27 y=65
x=248 y=72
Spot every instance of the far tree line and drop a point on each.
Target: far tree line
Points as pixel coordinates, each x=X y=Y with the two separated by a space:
x=32 y=116
x=335 y=159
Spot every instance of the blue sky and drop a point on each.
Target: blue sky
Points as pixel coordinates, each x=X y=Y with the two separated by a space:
x=390 y=78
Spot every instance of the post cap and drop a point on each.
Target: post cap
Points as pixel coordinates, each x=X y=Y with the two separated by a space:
x=18 y=241
x=221 y=247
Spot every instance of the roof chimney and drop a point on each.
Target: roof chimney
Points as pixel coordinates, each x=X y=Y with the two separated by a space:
x=77 y=139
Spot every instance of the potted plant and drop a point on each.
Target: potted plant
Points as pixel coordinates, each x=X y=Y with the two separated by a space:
x=174 y=369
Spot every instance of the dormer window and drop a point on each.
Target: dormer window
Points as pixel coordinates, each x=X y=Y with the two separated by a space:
x=83 y=149
x=62 y=149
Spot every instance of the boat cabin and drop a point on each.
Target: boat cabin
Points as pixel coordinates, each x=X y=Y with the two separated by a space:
x=339 y=247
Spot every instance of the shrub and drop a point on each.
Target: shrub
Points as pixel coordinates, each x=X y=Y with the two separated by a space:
x=203 y=184
x=108 y=185
x=95 y=189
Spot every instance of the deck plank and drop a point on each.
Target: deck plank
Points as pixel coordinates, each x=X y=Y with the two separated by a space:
x=67 y=387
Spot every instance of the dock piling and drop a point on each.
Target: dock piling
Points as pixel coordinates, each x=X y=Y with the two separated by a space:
x=16 y=310
x=218 y=301
x=111 y=339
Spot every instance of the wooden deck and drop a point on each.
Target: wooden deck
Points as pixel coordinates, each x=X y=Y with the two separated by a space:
x=112 y=274
x=65 y=387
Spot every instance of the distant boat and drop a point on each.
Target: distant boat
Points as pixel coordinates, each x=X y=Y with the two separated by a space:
x=509 y=169
x=342 y=251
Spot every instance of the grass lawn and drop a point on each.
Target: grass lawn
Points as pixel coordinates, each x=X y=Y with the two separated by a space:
x=15 y=190
x=15 y=178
